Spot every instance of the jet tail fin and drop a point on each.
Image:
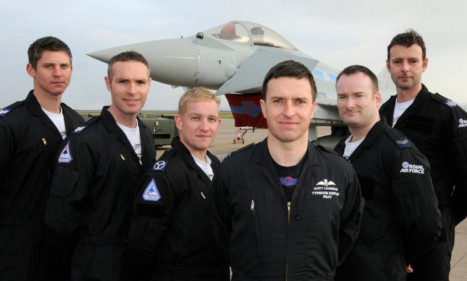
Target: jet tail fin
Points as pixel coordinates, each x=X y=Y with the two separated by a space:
x=386 y=86
x=246 y=110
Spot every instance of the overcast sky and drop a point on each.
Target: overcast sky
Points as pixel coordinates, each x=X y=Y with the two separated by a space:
x=338 y=33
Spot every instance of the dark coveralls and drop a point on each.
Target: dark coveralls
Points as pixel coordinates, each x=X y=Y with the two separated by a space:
x=90 y=204
x=170 y=233
x=401 y=220
x=438 y=127
x=29 y=141
x=264 y=237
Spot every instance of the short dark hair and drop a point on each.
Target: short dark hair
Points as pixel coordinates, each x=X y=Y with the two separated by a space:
x=349 y=70
x=48 y=43
x=126 y=56
x=290 y=68
x=407 y=39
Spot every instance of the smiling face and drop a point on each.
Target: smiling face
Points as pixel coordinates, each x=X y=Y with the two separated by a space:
x=198 y=125
x=357 y=101
x=52 y=73
x=406 y=65
x=288 y=109
x=129 y=88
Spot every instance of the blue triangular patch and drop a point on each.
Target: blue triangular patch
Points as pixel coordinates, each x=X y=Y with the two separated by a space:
x=65 y=155
x=151 y=193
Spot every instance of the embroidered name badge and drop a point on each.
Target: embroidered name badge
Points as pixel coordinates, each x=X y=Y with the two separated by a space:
x=151 y=193
x=326 y=189
x=160 y=166
x=65 y=155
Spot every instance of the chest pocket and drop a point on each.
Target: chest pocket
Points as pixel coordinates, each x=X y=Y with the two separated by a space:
x=421 y=124
x=368 y=187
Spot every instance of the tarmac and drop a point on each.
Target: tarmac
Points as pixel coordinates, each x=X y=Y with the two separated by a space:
x=224 y=144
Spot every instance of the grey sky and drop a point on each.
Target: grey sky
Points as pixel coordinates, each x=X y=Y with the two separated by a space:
x=339 y=33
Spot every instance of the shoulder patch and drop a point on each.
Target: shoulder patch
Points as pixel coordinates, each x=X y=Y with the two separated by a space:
x=400 y=140
x=8 y=109
x=4 y=111
x=79 y=129
x=447 y=102
x=160 y=166
x=65 y=155
x=151 y=193
x=450 y=103
x=238 y=150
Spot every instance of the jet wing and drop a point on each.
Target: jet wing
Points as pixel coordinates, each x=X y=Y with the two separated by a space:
x=250 y=75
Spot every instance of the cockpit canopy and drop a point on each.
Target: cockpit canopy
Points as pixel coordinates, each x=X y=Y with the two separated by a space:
x=250 y=33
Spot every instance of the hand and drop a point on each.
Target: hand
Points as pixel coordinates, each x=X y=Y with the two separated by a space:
x=409 y=269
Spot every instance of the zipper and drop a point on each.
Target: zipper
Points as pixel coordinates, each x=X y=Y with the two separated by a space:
x=289 y=204
x=252 y=208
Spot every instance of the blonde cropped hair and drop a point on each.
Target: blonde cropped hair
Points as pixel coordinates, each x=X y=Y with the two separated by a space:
x=196 y=94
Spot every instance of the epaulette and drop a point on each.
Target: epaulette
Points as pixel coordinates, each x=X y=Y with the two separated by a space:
x=91 y=121
x=163 y=161
x=447 y=102
x=323 y=148
x=160 y=165
x=400 y=140
x=4 y=111
x=237 y=151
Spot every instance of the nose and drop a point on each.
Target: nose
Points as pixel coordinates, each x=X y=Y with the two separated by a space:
x=57 y=71
x=289 y=109
x=405 y=66
x=132 y=88
x=350 y=103
x=204 y=124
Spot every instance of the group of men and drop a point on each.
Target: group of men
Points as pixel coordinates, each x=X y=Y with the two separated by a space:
x=89 y=201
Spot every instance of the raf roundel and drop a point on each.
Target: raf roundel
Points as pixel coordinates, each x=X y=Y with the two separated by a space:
x=405 y=165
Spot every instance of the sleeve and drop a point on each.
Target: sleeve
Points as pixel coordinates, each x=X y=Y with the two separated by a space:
x=458 y=152
x=221 y=215
x=152 y=208
x=6 y=146
x=72 y=177
x=351 y=216
x=416 y=205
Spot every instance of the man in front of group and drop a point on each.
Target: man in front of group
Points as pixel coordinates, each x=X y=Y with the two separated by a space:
x=99 y=166
x=401 y=220
x=286 y=209
x=30 y=134
x=437 y=127
x=169 y=235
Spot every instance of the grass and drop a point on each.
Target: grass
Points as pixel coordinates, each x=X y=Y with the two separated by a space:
x=222 y=114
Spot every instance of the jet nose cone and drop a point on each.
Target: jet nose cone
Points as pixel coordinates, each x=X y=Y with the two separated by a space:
x=103 y=55
x=172 y=61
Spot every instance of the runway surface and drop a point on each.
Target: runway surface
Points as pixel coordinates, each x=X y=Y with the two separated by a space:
x=223 y=145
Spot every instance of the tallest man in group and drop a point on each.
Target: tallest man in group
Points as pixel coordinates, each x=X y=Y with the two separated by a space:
x=438 y=128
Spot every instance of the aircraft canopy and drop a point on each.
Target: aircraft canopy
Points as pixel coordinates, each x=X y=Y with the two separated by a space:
x=250 y=33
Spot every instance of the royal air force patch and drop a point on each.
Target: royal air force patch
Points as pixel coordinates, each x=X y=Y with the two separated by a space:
x=65 y=155
x=160 y=166
x=151 y=193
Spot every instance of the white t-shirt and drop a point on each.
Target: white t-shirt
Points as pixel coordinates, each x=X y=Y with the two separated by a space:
x=58 y=120
x=351 y=146
x=133 y=136
x=206 y=167
x=399 y=109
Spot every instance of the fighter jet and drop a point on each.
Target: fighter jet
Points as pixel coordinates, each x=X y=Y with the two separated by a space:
x=233 y=59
